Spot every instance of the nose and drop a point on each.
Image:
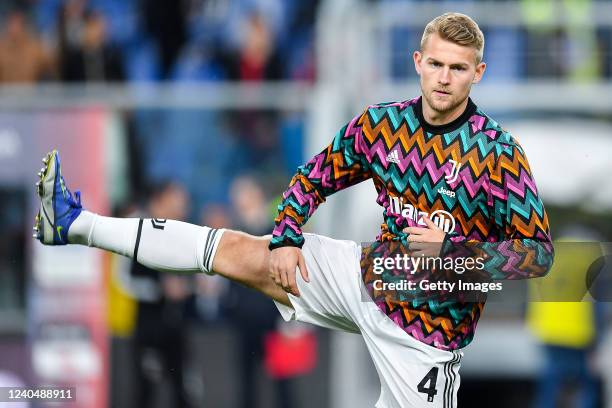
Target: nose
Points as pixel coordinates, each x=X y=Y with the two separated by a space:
x=444 y=78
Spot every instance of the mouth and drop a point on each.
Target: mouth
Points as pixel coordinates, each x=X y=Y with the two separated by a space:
x=443 y=93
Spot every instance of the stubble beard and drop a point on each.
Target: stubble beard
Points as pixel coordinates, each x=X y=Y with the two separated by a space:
x=443 y=107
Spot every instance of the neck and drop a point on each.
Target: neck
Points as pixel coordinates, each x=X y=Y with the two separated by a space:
x=441 y=118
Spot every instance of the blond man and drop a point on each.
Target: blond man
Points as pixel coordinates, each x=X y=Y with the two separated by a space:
x=444 y=171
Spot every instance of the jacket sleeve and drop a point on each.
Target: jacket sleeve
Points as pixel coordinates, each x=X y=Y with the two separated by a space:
x=340 y=165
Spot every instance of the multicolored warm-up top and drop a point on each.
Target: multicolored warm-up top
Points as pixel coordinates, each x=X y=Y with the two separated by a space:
x=470 y=177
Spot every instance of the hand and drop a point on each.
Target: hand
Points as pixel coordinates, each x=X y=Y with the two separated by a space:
x=425 y=241
x=283 y=262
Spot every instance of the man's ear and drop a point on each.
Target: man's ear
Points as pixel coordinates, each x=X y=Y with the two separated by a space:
x=417 y=56
x=480 y=69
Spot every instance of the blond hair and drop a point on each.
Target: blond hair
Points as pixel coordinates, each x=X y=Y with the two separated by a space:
x=457 y=28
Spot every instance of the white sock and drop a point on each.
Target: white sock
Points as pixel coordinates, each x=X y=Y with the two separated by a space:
x=164 y=245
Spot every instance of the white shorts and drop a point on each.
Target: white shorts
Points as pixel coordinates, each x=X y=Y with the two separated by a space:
x=412 y=374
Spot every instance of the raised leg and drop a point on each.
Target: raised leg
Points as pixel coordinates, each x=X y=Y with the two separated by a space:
x=164 y=245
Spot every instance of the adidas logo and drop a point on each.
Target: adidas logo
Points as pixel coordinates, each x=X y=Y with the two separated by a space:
x=444 y=191
x=393 y=157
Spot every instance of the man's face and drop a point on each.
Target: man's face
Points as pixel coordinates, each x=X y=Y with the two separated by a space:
x=447 y=72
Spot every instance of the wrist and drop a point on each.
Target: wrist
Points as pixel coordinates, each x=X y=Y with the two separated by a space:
x=281 y=242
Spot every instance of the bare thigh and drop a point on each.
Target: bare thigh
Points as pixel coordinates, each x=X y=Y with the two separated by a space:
x=245 y=259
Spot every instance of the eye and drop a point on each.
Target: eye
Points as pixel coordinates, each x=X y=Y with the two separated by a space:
x=435 y=64
x=459 y=68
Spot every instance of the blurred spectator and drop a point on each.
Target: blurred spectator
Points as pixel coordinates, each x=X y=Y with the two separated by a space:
x=257 y=58
x=216 y=216
x=254 y=316
x=257 y=133
x=567 y=329
x=250 y=40
x=165 y=22
x=160 y=330
x=297 y=43
x=23 y=56
x=249 y=206
x=93 y=60
x=70 y=22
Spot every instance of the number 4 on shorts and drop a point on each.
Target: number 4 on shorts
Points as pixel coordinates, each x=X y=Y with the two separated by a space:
x=428 y=384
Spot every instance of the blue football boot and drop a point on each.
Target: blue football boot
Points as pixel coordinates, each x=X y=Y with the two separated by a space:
x=58 y=208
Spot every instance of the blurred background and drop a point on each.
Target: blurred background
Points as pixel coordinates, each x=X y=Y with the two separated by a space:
x=201 y=110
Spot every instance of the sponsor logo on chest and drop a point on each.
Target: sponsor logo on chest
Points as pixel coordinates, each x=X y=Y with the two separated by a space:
x=443 y=219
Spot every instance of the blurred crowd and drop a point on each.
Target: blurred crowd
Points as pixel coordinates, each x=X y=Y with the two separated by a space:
x=537 y=46
x=150 y=40
x=76 y=41
x=168 y=308
x=256 y=40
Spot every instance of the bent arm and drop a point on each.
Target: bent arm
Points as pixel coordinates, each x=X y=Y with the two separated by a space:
x=342 y=164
